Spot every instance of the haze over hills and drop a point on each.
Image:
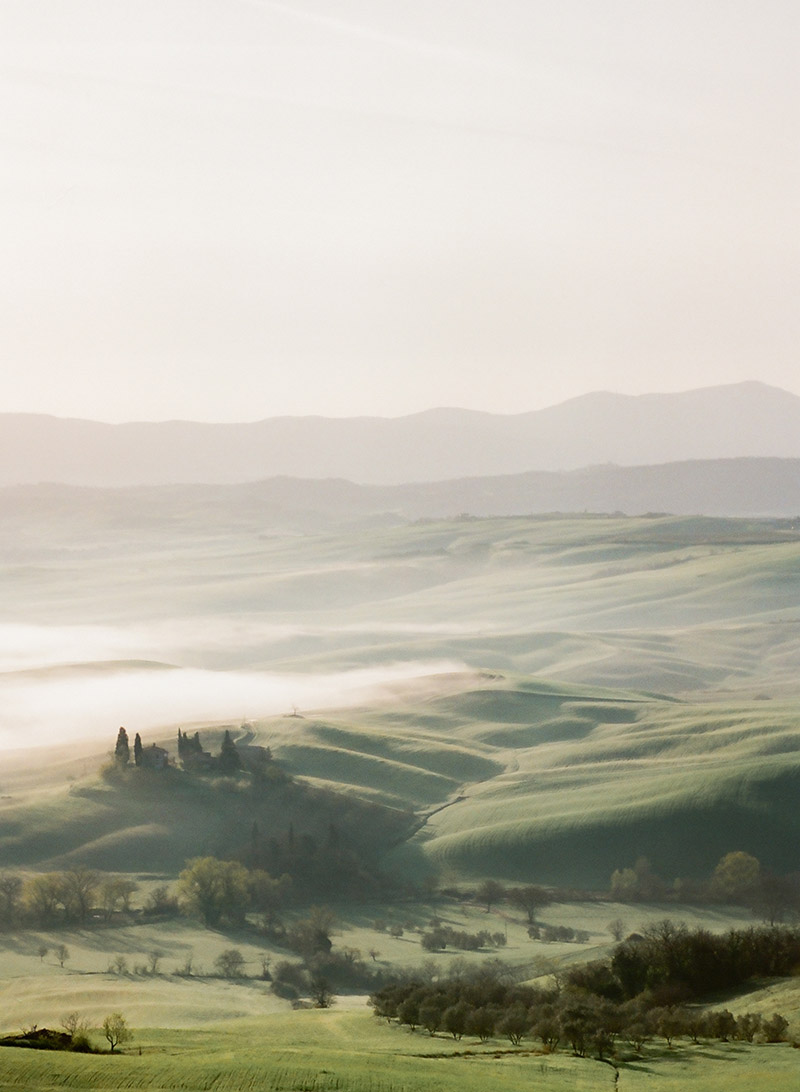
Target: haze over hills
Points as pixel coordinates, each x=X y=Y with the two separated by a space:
x=721 y=487
x=734 y=421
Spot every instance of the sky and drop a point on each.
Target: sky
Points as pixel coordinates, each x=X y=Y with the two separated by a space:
x=234 y=209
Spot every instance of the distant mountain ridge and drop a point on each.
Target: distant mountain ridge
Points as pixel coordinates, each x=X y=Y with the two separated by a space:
x=735 y=421
x=721 y=487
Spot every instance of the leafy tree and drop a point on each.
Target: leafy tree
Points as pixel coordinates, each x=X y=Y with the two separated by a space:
x=735 y=877
x=774 y=1028
x=215 y=889
x=408 y=1011
x=430 y=1014
x=122 y=751
x=61 y=954
x=454 y=1019
x=514 y=1023
x=722 y=1025
x=480 y=1022
x=116 y=1030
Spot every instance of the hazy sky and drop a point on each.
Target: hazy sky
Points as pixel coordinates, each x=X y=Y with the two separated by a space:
x=231 y=209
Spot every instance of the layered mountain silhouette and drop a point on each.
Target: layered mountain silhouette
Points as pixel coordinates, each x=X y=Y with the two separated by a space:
x=741 y=420
x=31 y=514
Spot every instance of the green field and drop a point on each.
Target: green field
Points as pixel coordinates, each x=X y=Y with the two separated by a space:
x=332 y=1051
x=540 y=700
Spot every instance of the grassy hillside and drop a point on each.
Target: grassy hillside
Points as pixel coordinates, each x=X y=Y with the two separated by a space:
x=670 y=731
x=153 y=821
x=508 y=776
x=574 y=783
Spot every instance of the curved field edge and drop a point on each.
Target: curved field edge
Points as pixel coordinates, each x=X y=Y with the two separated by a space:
x=354 y=1052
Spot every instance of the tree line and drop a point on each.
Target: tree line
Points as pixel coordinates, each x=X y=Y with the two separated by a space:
x=70 y=897
x=640 y=993
x=737 y=879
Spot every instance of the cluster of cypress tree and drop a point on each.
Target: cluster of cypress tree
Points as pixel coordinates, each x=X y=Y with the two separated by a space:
x=122 y=750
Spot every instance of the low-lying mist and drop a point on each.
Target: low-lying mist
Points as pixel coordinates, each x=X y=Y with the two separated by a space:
x=90 y=701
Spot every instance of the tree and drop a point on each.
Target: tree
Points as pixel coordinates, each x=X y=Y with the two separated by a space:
x=430 y=1014
x=775 y=1027
x=10 y=892
x=78 y=887
x=229 y=759
x=230 y=963
x=530 y=899
x=268 y=895
x=490 y=892
x=116 y=1030
x=215 y=889
x=137 y=750
x=62 y=954
x=321 y=993
x=514 y=1023
x=735 y=877
x=73 y=1022
x=454 y=1019
x=115 y=893
x=617 y=928
x=774 y=898
x=122 y=751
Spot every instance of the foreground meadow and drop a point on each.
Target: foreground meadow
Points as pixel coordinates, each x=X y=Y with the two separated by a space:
x=330 y=1051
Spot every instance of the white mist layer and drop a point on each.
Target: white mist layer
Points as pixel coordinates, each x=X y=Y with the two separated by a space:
x=91 y=703
x=202 y=642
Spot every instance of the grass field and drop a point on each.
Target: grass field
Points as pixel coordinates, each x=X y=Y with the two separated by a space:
x=354 y=1052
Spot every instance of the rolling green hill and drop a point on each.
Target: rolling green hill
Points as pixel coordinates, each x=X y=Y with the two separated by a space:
x=607 y=687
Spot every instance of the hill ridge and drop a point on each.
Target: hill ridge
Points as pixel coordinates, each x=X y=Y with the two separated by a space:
x=749 y=419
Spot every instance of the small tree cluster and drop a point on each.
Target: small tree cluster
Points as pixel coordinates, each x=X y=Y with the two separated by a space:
x=70 y=897
x=442 y=936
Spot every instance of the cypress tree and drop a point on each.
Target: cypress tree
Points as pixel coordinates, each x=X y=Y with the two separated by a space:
x=137 y=749
x=122 y=751
x=229 y=760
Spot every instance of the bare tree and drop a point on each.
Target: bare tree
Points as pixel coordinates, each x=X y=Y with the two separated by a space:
x=230 y=963
x=530 y=899
x=73 y=1023
x=490 y=892
x=321 y=993
x=617 y=928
